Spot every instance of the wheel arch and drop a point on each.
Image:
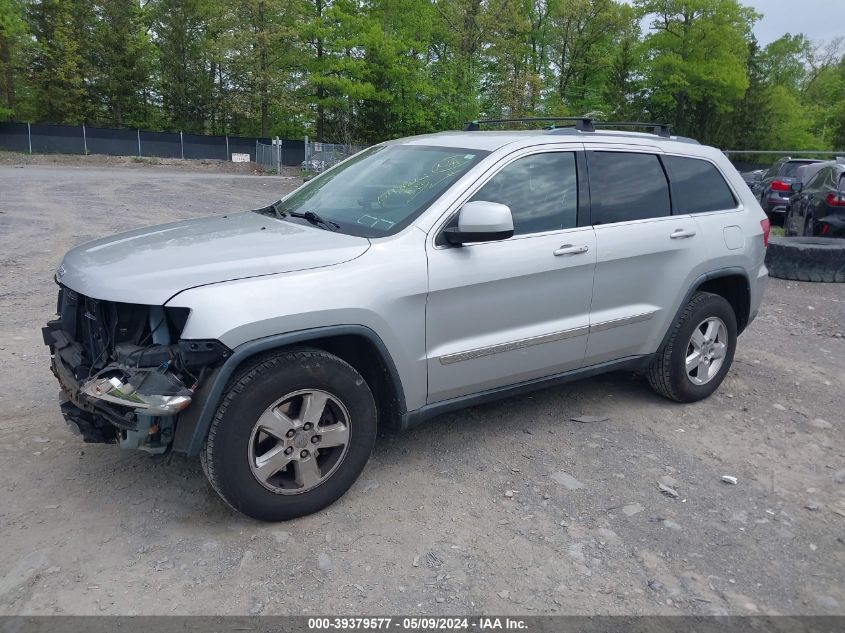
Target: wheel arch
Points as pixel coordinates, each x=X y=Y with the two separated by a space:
x=735 y=288
x=731 y=283
x=358 y=345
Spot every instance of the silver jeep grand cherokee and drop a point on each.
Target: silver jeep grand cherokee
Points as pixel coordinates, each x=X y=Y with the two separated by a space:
x=419 y=276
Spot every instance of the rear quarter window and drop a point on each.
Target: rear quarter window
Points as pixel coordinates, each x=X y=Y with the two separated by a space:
x=697 y=186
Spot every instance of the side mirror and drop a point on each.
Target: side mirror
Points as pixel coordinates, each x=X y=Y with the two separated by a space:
x=796 y=187
x=481 y=221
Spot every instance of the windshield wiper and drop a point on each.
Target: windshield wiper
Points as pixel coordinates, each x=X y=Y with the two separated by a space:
x=311 y=217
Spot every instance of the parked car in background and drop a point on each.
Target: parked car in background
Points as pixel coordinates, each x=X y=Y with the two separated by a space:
x=774 y=189
x=317 y=163
x=817 y=207
x=751 y=178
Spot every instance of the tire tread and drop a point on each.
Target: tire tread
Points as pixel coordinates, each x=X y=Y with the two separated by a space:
x=659 y=372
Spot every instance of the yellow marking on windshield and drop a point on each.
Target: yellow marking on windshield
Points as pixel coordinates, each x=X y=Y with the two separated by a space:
x=440 y=171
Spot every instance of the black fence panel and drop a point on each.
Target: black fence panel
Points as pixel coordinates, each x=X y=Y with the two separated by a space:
x=293 y=153
x=199 y=146
x=101 y=140
x=160 y=144
x=57 y=139
x=70 y=139
x=14 y=137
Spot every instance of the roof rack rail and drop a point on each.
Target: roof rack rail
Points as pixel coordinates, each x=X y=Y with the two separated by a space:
x=661 y=129
x=582 y=124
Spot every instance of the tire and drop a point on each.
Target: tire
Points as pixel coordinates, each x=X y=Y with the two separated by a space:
x=274 y=387
x=819 y=259
x=667 y=373
x=789 y=224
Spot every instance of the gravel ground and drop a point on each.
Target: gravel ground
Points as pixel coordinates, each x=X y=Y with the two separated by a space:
x=511 y=507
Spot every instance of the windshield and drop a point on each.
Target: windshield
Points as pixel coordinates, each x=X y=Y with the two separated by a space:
x=382 y=189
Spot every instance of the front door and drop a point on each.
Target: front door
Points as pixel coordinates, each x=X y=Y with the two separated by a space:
x=504 y=312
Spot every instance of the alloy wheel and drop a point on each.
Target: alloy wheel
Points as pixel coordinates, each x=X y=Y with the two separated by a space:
x=299 y=441
x=706 y=350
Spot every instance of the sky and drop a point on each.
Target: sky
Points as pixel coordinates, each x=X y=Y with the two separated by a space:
x=820 y=20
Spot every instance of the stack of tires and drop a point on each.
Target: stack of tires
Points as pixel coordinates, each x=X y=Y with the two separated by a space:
x=820 y=259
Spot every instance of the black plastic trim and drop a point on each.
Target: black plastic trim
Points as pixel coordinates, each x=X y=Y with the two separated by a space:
x=713 y=274
x=429 y=411
x=218 y=381
x=583 y=175
x=456 y=237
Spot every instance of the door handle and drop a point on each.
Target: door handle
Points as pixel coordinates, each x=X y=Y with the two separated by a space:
x=569 y=249
x=681 y=233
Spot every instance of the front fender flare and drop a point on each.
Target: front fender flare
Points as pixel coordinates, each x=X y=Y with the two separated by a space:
x=194 y=423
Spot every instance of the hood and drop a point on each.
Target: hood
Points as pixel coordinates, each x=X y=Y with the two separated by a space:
x=149 y=266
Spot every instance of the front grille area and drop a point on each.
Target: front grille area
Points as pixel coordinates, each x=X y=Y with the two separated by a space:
x=99 y=326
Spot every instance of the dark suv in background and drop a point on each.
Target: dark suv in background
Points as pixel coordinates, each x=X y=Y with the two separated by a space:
x=774 y=189
x=817 y=207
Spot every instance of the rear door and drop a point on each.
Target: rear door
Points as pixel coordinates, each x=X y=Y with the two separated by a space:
x=644 y=255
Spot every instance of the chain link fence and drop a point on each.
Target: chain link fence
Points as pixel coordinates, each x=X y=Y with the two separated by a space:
x=321 y=156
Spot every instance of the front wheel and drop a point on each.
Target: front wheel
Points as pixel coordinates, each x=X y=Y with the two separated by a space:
x=292 y=434
x=699 y=351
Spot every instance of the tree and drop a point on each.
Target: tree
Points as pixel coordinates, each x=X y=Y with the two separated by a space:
x=184 y=37
x=259 y=54
x=585 y=37
x=696 y=60
x=121 y=53
x=784 y=61
x=58 y=65
x=12 y=33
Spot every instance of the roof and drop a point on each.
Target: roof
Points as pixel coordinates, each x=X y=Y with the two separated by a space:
x=493 y=140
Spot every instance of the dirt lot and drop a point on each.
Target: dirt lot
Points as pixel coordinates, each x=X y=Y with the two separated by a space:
x=506 y=508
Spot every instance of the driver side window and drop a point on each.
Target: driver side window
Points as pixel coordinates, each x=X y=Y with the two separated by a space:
x=541 y=191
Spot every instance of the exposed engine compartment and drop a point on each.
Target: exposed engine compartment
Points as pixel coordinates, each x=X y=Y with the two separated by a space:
x=124 y=372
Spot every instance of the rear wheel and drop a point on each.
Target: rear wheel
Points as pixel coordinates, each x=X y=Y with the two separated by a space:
x=699 y=351
x=292 y=434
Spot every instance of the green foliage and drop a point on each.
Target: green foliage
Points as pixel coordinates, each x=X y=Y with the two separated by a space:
x=361 y=71
x=696 y=60
x=59 y=67
x=12 y=38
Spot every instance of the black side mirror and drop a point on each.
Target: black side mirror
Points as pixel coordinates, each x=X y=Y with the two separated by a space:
x=796 y=187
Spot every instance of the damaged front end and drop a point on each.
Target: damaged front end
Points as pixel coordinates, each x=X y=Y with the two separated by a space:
x=125 y=374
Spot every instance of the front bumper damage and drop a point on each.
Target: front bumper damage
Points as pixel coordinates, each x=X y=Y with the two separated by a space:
x=114 y=387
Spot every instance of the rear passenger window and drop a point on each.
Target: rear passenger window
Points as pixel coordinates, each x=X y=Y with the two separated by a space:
x=697 y=186
x=541 y=191
x=627 y=187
